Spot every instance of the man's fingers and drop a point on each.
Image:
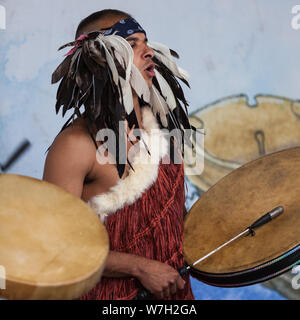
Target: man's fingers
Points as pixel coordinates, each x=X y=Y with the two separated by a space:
x=166 y=292
x=173 y=288
x=174 y=285
x=181 y=283
x=161 y=279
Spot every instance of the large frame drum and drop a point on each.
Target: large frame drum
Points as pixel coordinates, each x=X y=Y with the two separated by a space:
x=233 y=204
x=52 y=244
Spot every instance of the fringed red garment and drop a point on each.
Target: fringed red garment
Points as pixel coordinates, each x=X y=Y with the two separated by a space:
x=151 y=227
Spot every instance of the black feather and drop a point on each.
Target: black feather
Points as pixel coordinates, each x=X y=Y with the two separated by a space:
x=174 y=54
x=93 y=66
x=67 y=45
x=61 y=70
x=64 y=93
x=74 y=63
x=71 y=103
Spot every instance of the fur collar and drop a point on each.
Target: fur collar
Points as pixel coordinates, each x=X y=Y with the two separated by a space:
x=145 y=173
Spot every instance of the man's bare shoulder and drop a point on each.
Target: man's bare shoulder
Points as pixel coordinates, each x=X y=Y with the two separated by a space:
x=71 y=158
x=74 y=146
x=75 y=138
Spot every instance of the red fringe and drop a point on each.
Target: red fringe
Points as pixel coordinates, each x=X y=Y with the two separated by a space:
x=151 y=227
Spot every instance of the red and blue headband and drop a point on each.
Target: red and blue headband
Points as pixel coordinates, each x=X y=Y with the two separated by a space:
x=125 y=28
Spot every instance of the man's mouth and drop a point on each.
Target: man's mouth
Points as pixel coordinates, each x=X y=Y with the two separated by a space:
x=150 y=70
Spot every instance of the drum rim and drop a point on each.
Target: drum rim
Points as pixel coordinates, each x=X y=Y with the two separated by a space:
x=233 y=279
x=78 y=279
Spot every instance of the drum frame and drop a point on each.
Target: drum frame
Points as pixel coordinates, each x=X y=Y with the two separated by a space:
x=260 y=273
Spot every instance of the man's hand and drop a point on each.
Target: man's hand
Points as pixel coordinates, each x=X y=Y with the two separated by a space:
x=159 y=278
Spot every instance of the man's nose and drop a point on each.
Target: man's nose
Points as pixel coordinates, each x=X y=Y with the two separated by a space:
x=148 y=53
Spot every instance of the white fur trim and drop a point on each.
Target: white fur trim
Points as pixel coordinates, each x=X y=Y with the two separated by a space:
x=128 y=190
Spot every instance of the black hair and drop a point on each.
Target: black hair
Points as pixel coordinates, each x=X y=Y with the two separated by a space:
x=98 y=15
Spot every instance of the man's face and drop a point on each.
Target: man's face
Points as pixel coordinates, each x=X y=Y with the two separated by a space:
x=143 y=55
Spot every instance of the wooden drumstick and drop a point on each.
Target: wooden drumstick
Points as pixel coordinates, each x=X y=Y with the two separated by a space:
x=145 y=294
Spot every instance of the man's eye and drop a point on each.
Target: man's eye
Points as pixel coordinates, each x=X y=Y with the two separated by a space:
x=133 y=45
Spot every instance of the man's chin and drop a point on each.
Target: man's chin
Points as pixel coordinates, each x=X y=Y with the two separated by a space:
x=149 y=82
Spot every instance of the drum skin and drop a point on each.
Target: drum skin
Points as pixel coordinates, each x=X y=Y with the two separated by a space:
x=52 y=244
x=233 y=204
x=236 y=133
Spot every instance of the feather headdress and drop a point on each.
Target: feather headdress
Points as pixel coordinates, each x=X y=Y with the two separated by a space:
x=98 y=73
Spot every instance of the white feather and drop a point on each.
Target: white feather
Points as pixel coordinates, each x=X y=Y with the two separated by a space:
x=160 y=47
x=123 y=50
x=164 y=55
x=124 y=54
x=166 y=90
x=184 y=73
x=171 y=64
x=109 y=60
x=139 y=84
x=159 y=105
x=127 y=95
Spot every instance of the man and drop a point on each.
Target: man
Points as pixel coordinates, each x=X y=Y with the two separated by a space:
x=145 y=250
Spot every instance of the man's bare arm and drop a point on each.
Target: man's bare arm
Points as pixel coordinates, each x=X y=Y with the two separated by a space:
x=159 y=278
